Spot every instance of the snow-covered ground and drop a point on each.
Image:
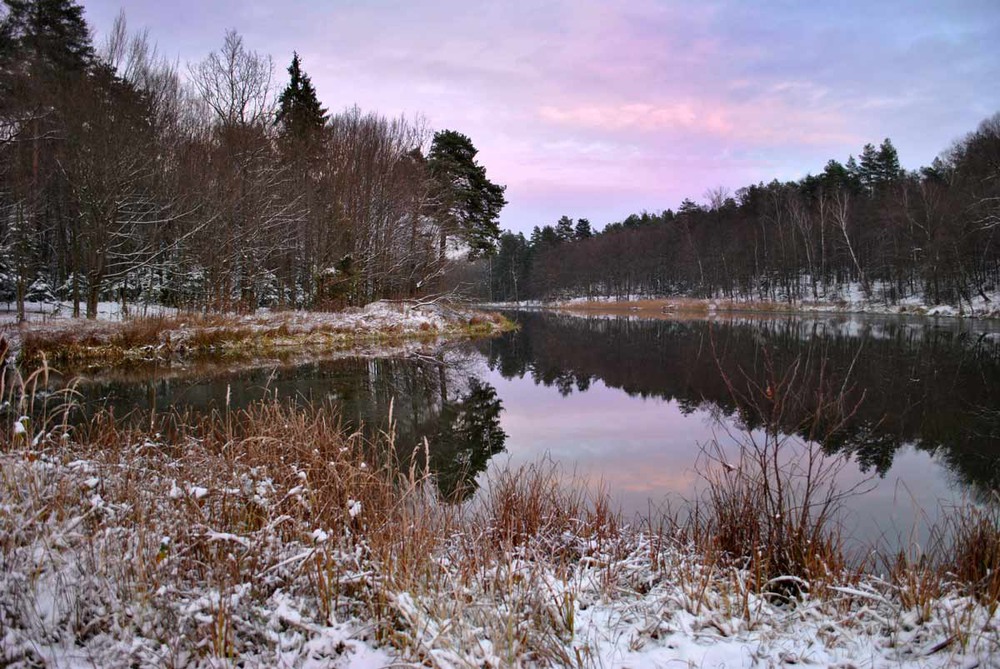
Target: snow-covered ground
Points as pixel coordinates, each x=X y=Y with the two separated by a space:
x=104 y=556
x=288 y=328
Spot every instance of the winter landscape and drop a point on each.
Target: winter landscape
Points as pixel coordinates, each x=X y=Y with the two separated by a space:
x=587 y=334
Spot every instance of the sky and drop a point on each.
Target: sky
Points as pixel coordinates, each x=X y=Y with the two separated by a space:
x=601 y=109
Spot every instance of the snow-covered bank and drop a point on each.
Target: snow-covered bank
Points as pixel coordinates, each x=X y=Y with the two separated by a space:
x=846 y=299
x=294 y=545
x=169 y=335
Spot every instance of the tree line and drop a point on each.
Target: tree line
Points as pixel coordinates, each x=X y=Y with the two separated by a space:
x=122 y=178
x=865 y=225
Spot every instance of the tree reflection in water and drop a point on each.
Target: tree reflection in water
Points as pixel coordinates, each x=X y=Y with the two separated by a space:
x=931 y=384
x=441 y=401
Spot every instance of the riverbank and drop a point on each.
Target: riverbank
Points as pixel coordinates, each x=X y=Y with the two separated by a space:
x=274 y=538
x=680 y=307
x=164 y=337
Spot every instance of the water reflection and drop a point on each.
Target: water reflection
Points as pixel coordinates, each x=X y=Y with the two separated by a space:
x=632 y=400
x=437 y=399
x=922 y=383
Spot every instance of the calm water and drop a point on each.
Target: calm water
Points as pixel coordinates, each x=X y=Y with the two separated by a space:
x=635 y=403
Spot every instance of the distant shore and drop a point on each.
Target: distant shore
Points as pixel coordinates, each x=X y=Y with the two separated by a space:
x=675 y=307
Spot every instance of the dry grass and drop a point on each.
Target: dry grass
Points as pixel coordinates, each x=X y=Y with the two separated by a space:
x=963 y=550
x=976 y=550
x=153 y=339
x=109 y=342
x=692 y=307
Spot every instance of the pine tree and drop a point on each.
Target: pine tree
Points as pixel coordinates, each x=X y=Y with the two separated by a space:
x=300 y=114
x=878 y=166
x=888 y=162
x=868 y=168
x=583 y=229
x=468 y=204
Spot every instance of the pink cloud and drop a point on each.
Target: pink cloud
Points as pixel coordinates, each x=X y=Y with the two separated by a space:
x=761 y=120
x=643 y=116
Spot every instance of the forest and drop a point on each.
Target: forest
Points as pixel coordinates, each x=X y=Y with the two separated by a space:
x=214 y=186
x=865 y=225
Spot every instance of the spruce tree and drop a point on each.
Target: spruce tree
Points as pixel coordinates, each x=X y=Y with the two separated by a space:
x=300 y=114
x=868 y=168
x=564 y=228
x=888 y=162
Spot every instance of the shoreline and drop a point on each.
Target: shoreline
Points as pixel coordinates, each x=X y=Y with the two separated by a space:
x=160 y=340
x=681 y=307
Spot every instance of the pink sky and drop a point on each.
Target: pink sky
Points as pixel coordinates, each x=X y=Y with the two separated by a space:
x=601 y=109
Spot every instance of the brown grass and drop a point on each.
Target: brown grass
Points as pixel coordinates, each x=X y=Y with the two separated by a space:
x=963 y=550
x=156 y=338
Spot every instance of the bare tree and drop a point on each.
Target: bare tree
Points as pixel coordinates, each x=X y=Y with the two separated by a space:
x=841 y=211
x=236 y=84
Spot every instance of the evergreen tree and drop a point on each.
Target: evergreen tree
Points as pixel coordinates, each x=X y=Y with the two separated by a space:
x=536 y=237
x=853 y=170
x=888 y=162
x=549 y=236
x=869 y=168
x=583 y=229
x=468 y=204
x=564 y=229
x=510 y=267
x=50 y=34
x=689 y=207
x=300 y=114
x=878 y=166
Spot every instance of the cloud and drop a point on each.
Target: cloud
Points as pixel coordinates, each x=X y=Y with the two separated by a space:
x=639 y=115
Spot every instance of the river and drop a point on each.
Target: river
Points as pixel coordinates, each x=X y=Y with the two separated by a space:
x=646 y=406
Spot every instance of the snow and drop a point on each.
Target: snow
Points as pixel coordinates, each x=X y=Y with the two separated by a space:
x=376 y=321
x=46 y=311
x=19 y=427
x=623 y=601
x=353 y=508
x=843 y=298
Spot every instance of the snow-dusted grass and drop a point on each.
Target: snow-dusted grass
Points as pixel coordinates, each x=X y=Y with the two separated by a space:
x=843 y=298
x=272 y=537
x=162 y=337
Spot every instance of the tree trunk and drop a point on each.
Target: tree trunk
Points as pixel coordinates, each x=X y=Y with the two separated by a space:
x=92 y=292
x=21 y=316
